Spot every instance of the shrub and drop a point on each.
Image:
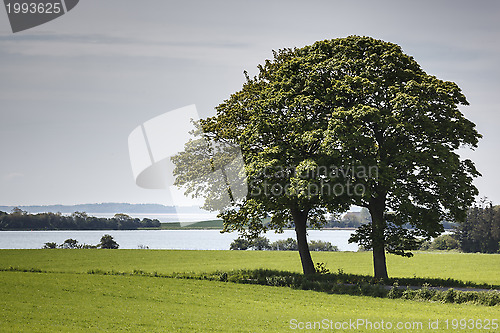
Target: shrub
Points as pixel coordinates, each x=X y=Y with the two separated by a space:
x=107 y=242
x=318 y=245
x=395 y=291
x=445 y=242
x=321 y=268
x=288 y=244
x=239 y=244
x=70 y=244
x=260 y=243
x=87 y=246
x=426 y=245
x=50 y=245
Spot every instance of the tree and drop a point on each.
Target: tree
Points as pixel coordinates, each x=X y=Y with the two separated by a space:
x=107 y=242
x=393 y=116
x=18 y=211
x=288 y=244
x=341 y=122
x=480 y=231
x=260 y=244
x=70 y=244
x=444 y=242
x=239 y=244
x=279 y=132
x=50 y=245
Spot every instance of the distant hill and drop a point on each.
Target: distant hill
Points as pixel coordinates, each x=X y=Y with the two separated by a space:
x=107 y=208
x=211 y=224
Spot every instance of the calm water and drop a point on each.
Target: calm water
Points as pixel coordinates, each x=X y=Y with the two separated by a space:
x=160 y=239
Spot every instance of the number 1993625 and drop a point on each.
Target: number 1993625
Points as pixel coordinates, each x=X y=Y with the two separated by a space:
x=34 y=8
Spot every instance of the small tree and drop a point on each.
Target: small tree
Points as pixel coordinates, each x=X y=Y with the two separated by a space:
x=70 y=244
x=240 y=244
x=50 y=245
x=107 y=242
x=445 y=242
x=288 y=244
x=260 y=243
x=318 y=245
x=480 y=232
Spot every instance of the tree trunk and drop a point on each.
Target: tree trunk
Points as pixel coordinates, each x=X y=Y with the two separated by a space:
x=378 y=240
x=300 y=220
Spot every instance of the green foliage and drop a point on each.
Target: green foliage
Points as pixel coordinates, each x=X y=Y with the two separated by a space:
x=318 y=245
x=321 y=268
x=445 y=242
x=50 y=245
x=289 y=244
x=261 y=243
x=480 y=232
x=108 y=242
x=70 y=244
x=346 y=114
x=240 y=244
x=21 y=220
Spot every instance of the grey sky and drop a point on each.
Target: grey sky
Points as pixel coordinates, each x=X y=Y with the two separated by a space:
x=73 y=89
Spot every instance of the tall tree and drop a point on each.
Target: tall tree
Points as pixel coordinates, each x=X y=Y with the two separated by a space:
x=340 y=122
x=480 y=232
x=393 y=116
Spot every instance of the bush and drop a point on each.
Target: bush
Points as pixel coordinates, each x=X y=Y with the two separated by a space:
x=322 y=246
x=426 y=245
x=107 y=242
x=70 y=244
x=288 y=244
x=260 y=243
x=239 y=244
x=50 y=245
x=445 y=242
x=87 y=246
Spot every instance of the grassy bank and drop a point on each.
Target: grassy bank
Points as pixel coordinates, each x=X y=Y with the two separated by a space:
x=66 y=298
x=478 y=268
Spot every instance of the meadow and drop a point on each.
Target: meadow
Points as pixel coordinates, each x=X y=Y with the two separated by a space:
x=65 y=298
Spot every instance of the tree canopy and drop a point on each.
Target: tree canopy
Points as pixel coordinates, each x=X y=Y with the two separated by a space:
x=342 y=122
x=480 y=231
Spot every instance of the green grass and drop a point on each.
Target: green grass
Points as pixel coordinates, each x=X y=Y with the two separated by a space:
x=80 y=302
x=478 y=268
x=68 y=299
x=211 y=224
x=169 y=225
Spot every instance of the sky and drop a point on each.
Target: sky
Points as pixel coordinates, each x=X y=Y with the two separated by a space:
x=73 y=89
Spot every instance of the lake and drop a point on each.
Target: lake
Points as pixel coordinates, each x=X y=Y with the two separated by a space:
x=160 y=239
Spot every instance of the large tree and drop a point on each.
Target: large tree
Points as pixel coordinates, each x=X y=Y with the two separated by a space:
x=406 y=123
x=340 y=122
x=480 y=232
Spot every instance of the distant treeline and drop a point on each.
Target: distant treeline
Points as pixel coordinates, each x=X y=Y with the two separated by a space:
x=22 y=220
x=480 y=232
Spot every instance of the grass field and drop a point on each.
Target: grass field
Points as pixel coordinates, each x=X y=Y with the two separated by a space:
x=66 y=300
x=479 y=268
